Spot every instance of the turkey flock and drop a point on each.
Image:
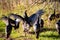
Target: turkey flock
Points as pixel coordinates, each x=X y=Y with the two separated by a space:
x=34 y=21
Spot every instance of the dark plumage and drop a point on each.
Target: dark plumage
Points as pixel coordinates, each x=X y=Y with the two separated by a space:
x=8 y=30
x=41 y=25
x=9 y=25
x=35 y=16
x=57 y=15
x=35 y=21
x=58 y=26
x=16 y=25
x=28 y=20
x=37 y=28
x=8 y=22
x=52 y=16
x=16 y=16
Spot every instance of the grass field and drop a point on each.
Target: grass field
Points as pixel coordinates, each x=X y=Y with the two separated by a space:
x=49 y=32
x=46 y=34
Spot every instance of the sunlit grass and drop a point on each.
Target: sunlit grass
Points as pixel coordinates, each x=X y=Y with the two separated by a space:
x=48 y=34
x=45 y=35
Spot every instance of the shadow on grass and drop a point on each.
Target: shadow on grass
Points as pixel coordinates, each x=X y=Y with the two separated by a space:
x=2 y=35
x=31 y=32
x=48 y=29
x=52 y=36
x=2 y=30
x=23 y=37
x=45 y=29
